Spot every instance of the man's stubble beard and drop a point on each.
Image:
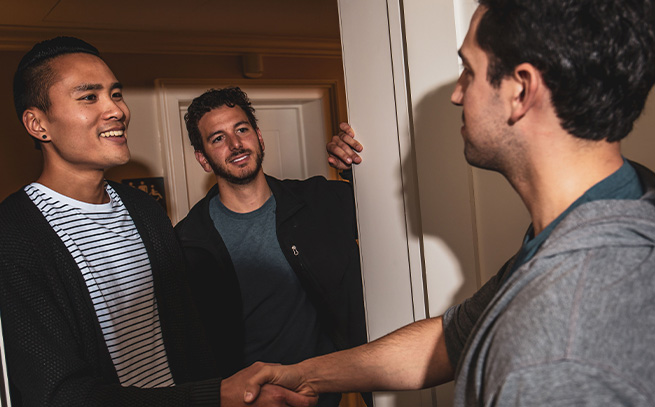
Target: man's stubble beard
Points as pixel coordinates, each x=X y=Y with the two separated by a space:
x=243 y=179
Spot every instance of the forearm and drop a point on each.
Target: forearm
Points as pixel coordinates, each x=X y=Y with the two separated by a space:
x=412 y=357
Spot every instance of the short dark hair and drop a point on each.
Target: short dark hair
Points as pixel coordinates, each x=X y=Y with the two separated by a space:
x=213 y=99
x=34 y=75
x=597 y=57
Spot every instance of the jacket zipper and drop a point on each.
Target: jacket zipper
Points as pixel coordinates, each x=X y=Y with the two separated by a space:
x=338 y=341
x=305 y=270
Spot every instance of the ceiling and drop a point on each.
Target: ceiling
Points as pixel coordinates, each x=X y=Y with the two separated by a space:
x=142 y=24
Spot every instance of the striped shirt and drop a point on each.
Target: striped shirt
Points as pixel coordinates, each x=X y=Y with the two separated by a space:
x=114 y=263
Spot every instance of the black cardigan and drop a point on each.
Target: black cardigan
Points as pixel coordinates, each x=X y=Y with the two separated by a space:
x=56 y=353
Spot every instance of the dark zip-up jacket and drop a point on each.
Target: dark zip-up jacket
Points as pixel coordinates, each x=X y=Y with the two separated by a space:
x=316 y=228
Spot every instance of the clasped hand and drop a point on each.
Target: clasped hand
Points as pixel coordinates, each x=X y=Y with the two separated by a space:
x=264 y=384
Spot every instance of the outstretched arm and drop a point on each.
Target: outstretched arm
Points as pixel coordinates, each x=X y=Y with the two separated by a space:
x=410 y=358
x=343 y=149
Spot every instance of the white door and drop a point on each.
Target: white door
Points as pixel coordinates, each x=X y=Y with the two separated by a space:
x=293 y=125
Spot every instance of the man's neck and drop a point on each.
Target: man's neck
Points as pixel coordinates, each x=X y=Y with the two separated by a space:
x=87 y=186
x=559 y=178
x=244 y=198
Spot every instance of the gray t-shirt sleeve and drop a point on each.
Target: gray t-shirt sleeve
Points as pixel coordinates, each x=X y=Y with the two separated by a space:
x=459 y=320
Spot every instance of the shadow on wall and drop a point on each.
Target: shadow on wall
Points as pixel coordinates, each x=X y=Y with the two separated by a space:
x=445 y=200
x=464 y=245
x=445 y=222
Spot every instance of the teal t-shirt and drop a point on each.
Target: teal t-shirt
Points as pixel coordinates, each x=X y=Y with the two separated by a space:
x=280 y=323
x=622 y=184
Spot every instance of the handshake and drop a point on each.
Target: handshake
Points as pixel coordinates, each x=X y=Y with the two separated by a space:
x=264 y=384
x=411 y=358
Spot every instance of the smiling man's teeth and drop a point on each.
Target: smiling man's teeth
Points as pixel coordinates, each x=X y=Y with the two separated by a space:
x=112 y=133
x=240 y=159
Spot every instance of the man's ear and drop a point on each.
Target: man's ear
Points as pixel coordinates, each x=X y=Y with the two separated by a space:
x=200 y=156
x=261 y=139
x=34 y=121
x=528 y=91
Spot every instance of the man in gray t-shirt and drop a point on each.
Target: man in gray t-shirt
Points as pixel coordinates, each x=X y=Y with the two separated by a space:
x=548 y=90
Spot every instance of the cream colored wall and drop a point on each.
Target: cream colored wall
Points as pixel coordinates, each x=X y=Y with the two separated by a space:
x=640 y=144
x=21 y=164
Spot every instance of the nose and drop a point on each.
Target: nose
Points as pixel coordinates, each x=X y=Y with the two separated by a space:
x=116 y=110
x=234 y=142
x=458 y=93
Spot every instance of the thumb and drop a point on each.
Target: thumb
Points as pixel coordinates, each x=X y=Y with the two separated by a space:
x=255 y=382
x=251 y=394
x=253 y=387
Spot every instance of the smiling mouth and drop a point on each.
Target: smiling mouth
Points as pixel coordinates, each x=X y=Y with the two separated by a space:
x=113 y=133
x=239 y=160
x=240 y=156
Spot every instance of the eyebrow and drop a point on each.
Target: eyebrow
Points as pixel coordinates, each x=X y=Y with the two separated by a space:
x=96 y=86
x=210 y=135
x=241 y=123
